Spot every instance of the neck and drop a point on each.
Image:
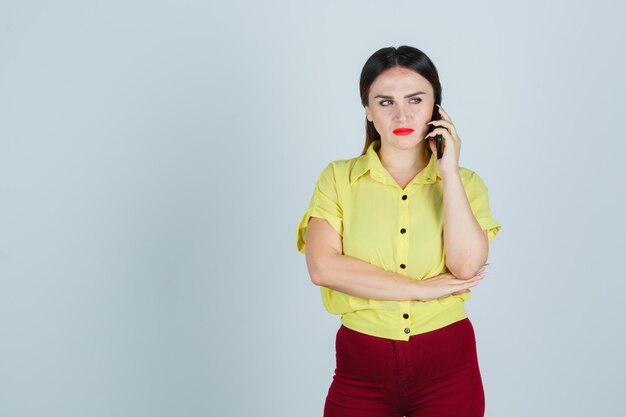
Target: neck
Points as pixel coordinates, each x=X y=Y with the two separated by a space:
x=397 y=160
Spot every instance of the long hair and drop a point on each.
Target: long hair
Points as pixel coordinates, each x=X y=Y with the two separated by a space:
x=385 y=58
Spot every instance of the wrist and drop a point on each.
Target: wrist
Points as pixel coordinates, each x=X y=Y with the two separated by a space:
x=417 y=291
x=447 y=175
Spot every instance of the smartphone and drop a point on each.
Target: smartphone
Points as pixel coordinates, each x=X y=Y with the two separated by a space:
x=438 y=138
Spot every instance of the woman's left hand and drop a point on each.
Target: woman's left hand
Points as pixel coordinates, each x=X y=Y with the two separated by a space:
x=451 y=144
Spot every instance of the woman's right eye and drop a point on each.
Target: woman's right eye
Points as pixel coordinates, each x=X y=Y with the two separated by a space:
x=382 y=103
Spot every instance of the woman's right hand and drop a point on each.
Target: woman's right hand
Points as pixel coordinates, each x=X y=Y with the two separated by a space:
x=445 y=284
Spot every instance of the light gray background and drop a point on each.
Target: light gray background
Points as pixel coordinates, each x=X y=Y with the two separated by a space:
x=156 y=156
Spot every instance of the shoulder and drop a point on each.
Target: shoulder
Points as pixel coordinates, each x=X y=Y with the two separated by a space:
x=472 y=182
x=469 y=176
x=338 y=171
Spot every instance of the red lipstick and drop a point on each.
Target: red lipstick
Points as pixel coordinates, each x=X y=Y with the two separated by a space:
x=402 y=131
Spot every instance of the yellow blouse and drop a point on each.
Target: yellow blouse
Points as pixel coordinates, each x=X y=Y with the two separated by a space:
x=398 y=230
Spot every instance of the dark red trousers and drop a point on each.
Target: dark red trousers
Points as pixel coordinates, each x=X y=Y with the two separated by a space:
x=434 y=374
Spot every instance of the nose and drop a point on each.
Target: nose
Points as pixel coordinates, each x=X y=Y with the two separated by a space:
x=402 y=113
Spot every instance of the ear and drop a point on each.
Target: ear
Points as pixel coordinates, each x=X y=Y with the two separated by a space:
x=367 y=114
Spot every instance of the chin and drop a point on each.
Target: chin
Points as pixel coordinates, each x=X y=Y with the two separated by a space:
x=405 y=142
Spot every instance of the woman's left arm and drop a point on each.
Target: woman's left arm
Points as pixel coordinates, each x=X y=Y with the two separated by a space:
x=465 y=242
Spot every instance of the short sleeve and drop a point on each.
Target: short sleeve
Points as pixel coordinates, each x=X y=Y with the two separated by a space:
x=324 y=204
x=477 y=195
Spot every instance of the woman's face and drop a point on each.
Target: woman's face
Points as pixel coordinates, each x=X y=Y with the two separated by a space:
x=400 y=98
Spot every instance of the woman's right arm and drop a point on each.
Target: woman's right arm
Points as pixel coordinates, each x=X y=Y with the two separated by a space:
x=329 y=267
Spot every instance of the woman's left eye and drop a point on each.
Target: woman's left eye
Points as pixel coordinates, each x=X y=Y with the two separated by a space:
x=416 y=100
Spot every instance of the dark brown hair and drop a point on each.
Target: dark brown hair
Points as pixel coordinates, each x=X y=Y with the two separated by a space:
x=385 y=58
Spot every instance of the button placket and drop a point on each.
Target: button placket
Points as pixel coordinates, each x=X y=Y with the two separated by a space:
x=403 y=236
x=403 y=252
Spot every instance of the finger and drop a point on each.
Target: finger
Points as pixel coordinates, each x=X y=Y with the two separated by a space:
x=474 y=283
x=441 y=126
x=473 y=280
x=440 y=131
x=445 y=124
x=446 y=117
x=480 y=273
x=447 y=135
x=478 y=277
x=467 y=287
x=440 y=123
x=444 y=114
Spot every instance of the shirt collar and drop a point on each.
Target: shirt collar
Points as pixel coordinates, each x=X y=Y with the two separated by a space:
x=371 y=162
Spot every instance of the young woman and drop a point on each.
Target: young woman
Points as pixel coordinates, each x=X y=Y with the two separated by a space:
x=395 y=238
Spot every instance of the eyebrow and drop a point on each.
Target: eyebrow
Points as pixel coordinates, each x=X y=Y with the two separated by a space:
x=407 y=96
